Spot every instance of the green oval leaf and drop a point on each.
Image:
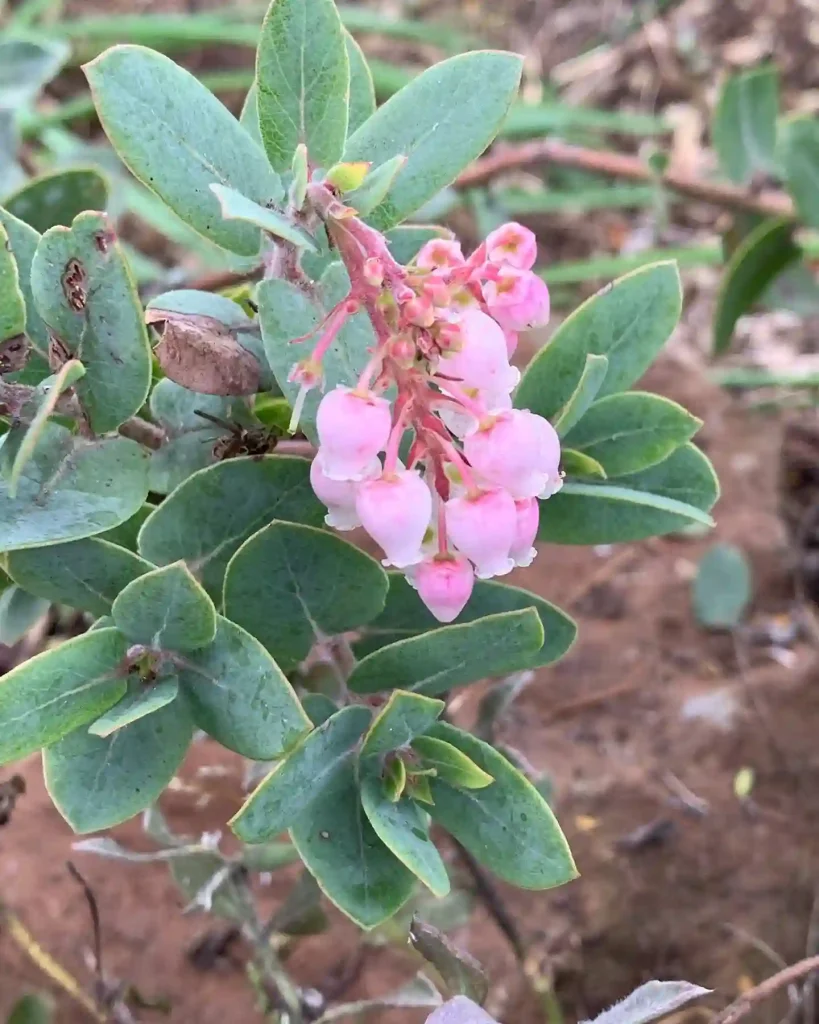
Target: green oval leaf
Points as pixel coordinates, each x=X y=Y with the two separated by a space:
x=98 y=782
x=577 y=464
x=686 y=475
x=86 y=574
x=235 y=206
x=799 y=156
x=72 y=488
x=19 y=610
x=450 y=764
x=403 y=717
x=722 y=587
x=402 y=828
x=85 y=293
x=301 y=777
x=405 y=615
x=586 y=513
x=291 y=585
x=628 y=321
x=166 y=609
x=26 y=65
x=141 y=700
x=274 y=487
x=632 y=431
x=59 y=197
x=362 y=91
x=350 y=863
x=177 y=138
x=757 y=261
x=12 y=302
x=239 y=695
x=55 y=692
x=23 y=241
x=303 y=82
x=436 y=661
x=744 y=125
x=441 y=121
x=507 y=826
x=591 y=380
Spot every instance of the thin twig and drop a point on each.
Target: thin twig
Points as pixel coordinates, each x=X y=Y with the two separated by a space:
x=743 y=1006
x=492 y=901
x=94 y=910
x=143 y=432
x=620 y=165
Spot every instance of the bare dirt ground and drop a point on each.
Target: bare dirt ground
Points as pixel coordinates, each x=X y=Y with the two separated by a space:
x=694 y=895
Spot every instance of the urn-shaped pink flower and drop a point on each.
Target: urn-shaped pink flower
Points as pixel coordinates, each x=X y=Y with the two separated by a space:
x=518 y=451
x=483 y=360
x=339 y=495
x=512 y=244
x=353 y=428
x=444 y=583
x=395 y=510
x=482 y=526
x=523 y=550
x=517 y=299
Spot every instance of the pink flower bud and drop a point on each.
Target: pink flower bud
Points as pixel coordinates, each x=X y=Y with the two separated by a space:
x=439 y=254
x=528 y=516
x=482 y=361
x=512 y=244
x=483 y=528
x=444 y=583
x=419 y=311
x=373 y=271
x=517 y=299
x=396 y=510
x=352 y=428
x=518 y=451
x=339 y=495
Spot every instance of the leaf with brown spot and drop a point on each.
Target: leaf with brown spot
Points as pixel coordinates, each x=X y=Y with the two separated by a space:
x=14 y=354
x=84 y=292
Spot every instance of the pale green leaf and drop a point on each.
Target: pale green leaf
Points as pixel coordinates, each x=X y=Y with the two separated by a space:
x=84 y=291
x=166 y=609
x=303 y=82
x=292 y=585
x=441 y=121
x=86 y=574
x=441 y=659
x=55 y=692
x=177 y=139
x=301 y=777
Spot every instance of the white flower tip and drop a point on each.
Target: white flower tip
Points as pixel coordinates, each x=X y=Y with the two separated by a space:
x=524 y=560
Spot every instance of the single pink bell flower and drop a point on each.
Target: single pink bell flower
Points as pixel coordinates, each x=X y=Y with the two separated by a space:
x=444 y=583
x=517 y=299
x=482 y=361
x=512 y=244
x=528 y=517
x=395 y=509
x=518 y=451
x=483 y=528
x=339 y=495
x=353 y=428
x=440 y=254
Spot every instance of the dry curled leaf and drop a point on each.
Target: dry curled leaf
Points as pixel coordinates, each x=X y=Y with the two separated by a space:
x=199 y=353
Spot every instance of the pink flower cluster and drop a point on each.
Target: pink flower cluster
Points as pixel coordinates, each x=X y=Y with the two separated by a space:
x=445 y=476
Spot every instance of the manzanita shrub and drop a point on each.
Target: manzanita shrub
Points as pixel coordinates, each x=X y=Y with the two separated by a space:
x=158 y=493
